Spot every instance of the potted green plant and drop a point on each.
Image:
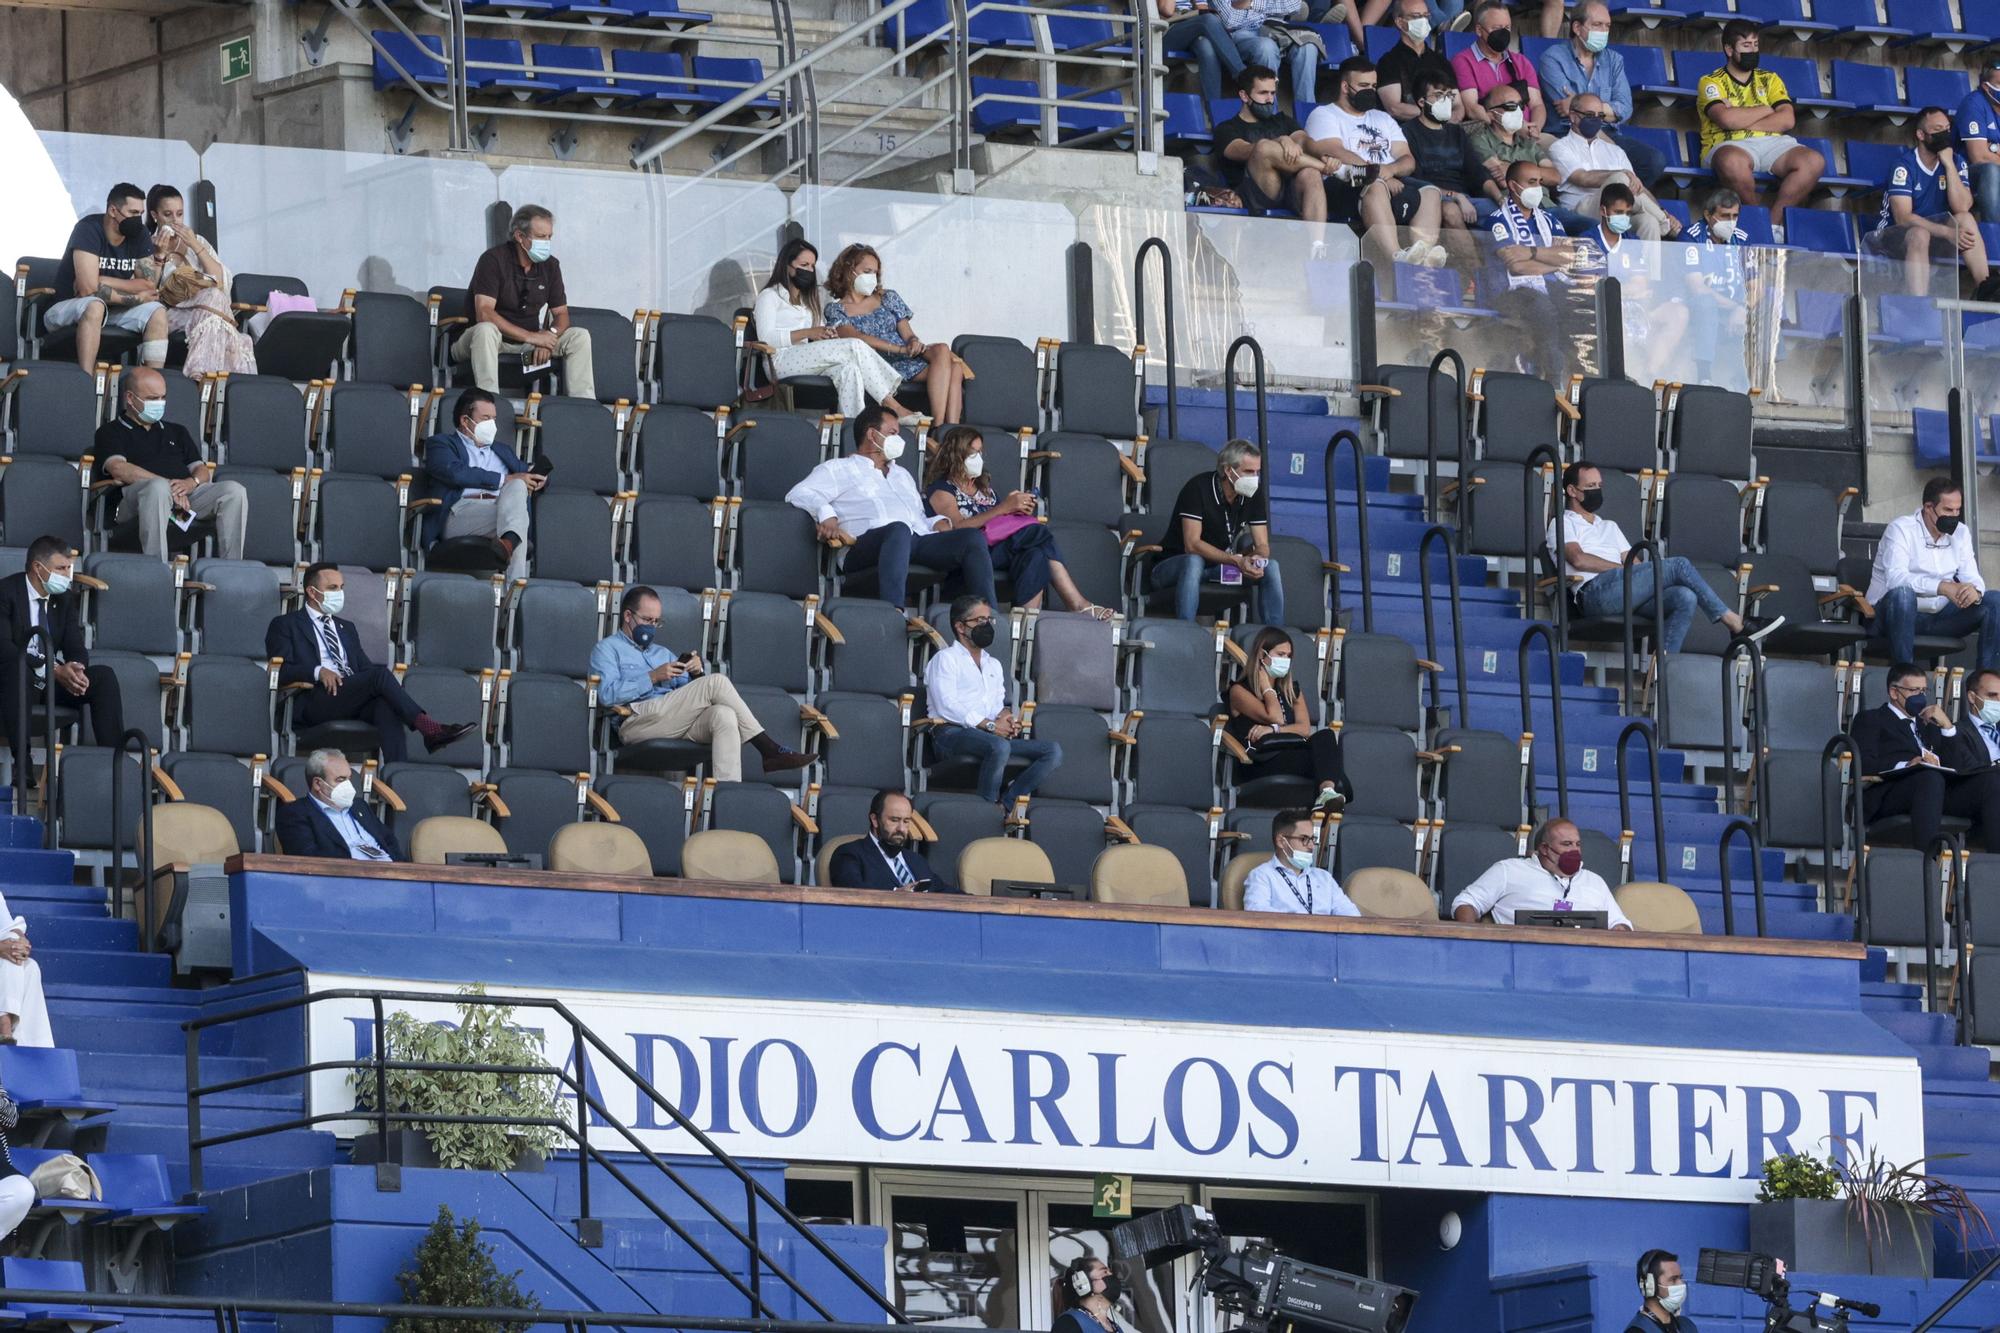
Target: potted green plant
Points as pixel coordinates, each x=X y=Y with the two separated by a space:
x=1857 y=1212
x=485 y=1035
x=455 y=1268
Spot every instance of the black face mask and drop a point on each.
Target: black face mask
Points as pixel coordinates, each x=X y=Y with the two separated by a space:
x=981 y=636
x=132 y=229
x=1114 y=1288
x=1948 y=523
x=1748 y=61
x=804 y=280
x=1500 y=39
x=1593 y=500
x=1937 y=143
x=1366 y=100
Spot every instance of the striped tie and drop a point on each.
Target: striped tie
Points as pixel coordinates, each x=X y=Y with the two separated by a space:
x=903 y=876
x=330 y=638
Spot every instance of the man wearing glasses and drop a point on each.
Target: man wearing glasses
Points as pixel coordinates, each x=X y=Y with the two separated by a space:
x=1911 y=745
x=968 y=697
x=1292 y=880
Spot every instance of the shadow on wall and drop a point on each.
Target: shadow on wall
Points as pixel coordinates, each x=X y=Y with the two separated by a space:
x=730 y=288
x=378 y=274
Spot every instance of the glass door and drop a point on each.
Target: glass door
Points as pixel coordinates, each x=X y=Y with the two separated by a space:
x=954 y=1252
x=1154 y=1301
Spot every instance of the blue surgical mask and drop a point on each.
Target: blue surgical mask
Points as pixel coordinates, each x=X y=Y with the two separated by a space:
x=1300 y=857
x=1281 y=667
x=1618 y=222
x=333 y=601
x=1675 y=1297
x=1596 y=41
x=56 y=584
x=1989 y=712
x=539 y=250
x=152 y=409
x=643 y=635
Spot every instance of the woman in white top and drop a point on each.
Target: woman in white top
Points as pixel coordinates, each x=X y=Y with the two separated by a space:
x=788 y=320
x=214 y=344
x=24 y=1012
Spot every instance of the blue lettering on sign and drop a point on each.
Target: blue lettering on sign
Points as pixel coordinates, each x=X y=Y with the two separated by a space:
x=1642 y=1128
x=686 y=1094
x=1369 y=1113
x=1499 y=1124
x=864 y=1089
x=1273 y=1108
x=718 y=1078
x=1107 y=1105
x=1438 y=1114
x=1697 y=1134
x=1027 y=1103
x=1229 y=1105
x=749 y=1087
x=1851 y=1137
x=965 y=1106
x=1756 y=1136
x=1585 y=1117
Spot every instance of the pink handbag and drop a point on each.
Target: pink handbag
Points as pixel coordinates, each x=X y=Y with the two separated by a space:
x=280 y=303
x=1000 y=529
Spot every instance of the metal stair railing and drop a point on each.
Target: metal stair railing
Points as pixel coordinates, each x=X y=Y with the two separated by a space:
x=584 y=1043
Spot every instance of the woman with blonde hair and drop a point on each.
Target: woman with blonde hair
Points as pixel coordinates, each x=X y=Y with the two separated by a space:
x=956 y=487
x=1269 y=717
x=788 y=320
x=863 y=308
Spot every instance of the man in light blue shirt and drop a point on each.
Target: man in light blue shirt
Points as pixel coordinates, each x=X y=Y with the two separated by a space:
x=674 y=698
x=1290 y=881
x=1587 y=64
x=329 y=820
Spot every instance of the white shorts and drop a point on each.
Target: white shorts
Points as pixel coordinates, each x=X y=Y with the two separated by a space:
x=1764 y=150
x=131 y=318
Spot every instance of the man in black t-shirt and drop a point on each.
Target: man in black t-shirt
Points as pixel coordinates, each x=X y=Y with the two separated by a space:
x=1265 y=155
x=519 y=306
x=161 y=474
x=1404 y=65
x=1221 y=533
x=1446 y=158
x=107 y=277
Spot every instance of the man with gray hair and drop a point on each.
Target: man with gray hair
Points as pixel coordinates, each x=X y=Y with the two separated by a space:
x=1221 y=533
x=1552 y=880
x=329 y=820
x=519 y=306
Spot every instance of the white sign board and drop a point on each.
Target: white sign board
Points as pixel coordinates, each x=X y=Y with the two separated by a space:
x=830 y=1082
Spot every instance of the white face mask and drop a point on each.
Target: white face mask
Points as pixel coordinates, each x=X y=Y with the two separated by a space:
x=1281 y=667
x=1300 y=857
x=892 y=447
x=1675 y=1297
x=1246 y=484
x=1511 y=121
x=332 y=600
x=1722 y=231
x=485 y=431
x=865 y=284
x=974 y=465
x=1989 y=712
x=341 y=797
x=1531 y=198
x=1420 y=29
x=1441 y=110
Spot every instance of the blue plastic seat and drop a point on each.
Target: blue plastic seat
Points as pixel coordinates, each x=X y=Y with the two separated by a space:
x=1381 y=40
x=1698 y=11
x=730 y=75
x=44 y=1083
x=1073 y=33
x=1872 y=162
x=1534 y=47
x=1755 y=223
x=1221 y=109
x=1936 y=87
x=1819 y=316
x=917 y=22
x=1646 y=68
x=638 y=69
x=514 y=9
x=135 y=1187
x=1679 y=210
x=494 y=51
x=1932 y=427
x=51 y=1275
x=1857 y=18
x=1833 y=180
x=1816 y=229
x=1074 y=122
x=1671 y=146
x=1002 y=109
x=666 y=14
x=577 y=71
x=1930 y=24
x=1908 y=322
x=1003 y=28
x=1187 y=122
x=1871 y=88
x=1790 y=15
x=1981 y=16
x=1644 y=11
x=1802 y=81
x=1454 y=42
x=70 y=1210
x=597 y=12
x=422 y=59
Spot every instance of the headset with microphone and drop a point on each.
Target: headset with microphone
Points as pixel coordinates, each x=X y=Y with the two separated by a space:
x=1649 y=1282
x=1080 y=1281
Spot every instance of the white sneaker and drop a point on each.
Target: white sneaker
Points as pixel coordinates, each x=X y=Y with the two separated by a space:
x=1461 y=21
x=1778 y=232
x=1413 y=254
x=1435 y=257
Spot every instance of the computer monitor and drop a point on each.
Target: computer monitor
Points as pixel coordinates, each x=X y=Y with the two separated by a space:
x=1023 y=888
x=1567 y=920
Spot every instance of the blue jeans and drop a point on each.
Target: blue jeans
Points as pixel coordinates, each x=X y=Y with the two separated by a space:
x=1684 y=589
x=993 y=752
x=890 y=548
x=1186 y=573
x=1301 y=63
x=1898 y=621
x=1205 y=38
x=1442 y=11
x=1026 y=555
x=1986 y=190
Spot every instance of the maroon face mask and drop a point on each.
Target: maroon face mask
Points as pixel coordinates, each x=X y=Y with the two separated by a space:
x=1570 y=862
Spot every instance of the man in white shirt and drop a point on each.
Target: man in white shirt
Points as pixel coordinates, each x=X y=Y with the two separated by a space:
x=1588 y=159
x=968 y=694
x=867 y=501
x=1372 y=185
x=1290 y=881
x=1552 y=880
x=1593 y=555
x=1927 y=580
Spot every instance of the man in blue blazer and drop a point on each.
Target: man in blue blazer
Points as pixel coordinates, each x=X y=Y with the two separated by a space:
x=324 y=651
x=888 y=857
x=329 y=821
x=484 y=487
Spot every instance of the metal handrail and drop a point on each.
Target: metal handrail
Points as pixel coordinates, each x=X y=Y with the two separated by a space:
x=1643 y=727
x=1361 y=527
x=1848 y=793
x=1627 y=644
x=1431 y=434
x=1547 y=635
x=582 y=1037
x=1256 y=349
x=1741 y=824
x=1154 y=245
x=1437 y=532
x=1536 y=523
x=146 y=787
x=1760 y=712
x=23 y=746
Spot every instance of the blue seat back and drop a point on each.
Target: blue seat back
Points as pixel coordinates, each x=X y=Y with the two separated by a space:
x=1865 y=85
x=132 y=1180
x=1818 y=314
x=1646 y=66
x=1667 y=143
x=1925 y=16
x=40 y=1073
x=1801 y=75
x=1815 y=229
x=42 y=1274
x=1847 y=14
x=649 y=65
x=1936 y=87
x=1933 y=431
x=423 y=62
x=1872 y=161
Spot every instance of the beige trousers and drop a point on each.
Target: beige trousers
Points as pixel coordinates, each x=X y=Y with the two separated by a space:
x=705 y=709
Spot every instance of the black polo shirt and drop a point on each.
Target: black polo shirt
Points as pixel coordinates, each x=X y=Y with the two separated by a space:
x=1403 y=67
x=1645 y=1323
x=519 y=294
x=165 y=450
x=1223 y=517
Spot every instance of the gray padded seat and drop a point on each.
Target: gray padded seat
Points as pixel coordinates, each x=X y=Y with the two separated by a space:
x=450 y=621
x=677 y=453
x=653 y=808
x=370 y=431
x=1620 y=426
x=581 y=438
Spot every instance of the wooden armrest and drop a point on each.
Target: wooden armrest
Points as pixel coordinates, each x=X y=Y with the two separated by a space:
x=487 y=792
x=1334 y=567
x=963 y=369
x=923 y=629
x=804 y=820
x=1762 y=590
x=604 y=808
x=925 y=723
x=1119 y=829
x=1236 y=651
x=295 y=687
x=839 y=540
x=388 y=795
x=738 y=429
x=740 y=323
x=1432 y=756
x=196 y=585
x=809 y=714
x=925 y=832
x=1563 y=404
x=34 y=292
x=250 y=307
x=448 y=321
x=619 y=710
x=828 y=628
x=1853 y=594
x=1131 y=469
x=764 y=348
x=1429 y=665
x=1122 y=738
x=1237 y=750
x=428 y=502
x=167 y=784
x=278 y=789
x=1042 y=455
x=100 y=486
x=1147 y=550
x=1232 y=835
x=1376 y=391
x=94 y=584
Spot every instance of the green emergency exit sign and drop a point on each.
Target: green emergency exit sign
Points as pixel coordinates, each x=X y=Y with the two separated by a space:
x=235 y=59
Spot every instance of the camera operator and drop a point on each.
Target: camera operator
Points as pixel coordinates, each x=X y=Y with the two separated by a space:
x=1664 y=1292
x=1089 y=1293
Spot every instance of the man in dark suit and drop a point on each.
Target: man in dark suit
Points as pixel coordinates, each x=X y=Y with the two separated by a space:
x=39 y=597
x=1977 y=745
x=329 y=820
x=483 y=486
x=888 y=857
x=1917 y=750
x=324 y=651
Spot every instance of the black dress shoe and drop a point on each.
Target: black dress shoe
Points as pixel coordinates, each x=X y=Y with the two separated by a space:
x=445 y=735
